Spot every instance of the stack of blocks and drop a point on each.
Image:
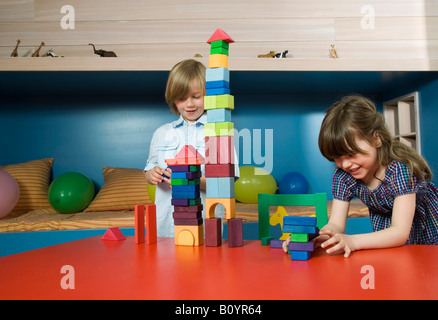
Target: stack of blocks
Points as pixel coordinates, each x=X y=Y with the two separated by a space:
x=219 y=145
x=303 y=230
x=186 y=198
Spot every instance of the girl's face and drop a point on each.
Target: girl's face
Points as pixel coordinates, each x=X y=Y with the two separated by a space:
x=191 y=107
x=362 y=166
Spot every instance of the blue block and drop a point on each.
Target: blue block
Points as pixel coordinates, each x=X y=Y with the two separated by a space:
x=217 y=84
x=186 y=195
x=299 y=221
x=186 y=175
x=287 y=228
x=217 y=91
x=191 y=188
x=217 y=74
x=220 y=187
x=300 y=255
x=219 y=115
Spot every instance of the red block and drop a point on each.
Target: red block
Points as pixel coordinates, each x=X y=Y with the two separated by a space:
x=188 y=222
x=213 y=232
x=113 y=234
x=219 y=150
x=219 y=170
x=235 y=232
x=139 y=223
x=187 y=215
x=151 y=224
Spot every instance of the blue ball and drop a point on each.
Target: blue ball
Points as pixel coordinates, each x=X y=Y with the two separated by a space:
x=293 y=183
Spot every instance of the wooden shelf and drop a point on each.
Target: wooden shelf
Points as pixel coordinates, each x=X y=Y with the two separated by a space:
x=235 y=64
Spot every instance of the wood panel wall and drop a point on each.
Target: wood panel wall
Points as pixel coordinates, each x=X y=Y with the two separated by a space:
x=178 y=29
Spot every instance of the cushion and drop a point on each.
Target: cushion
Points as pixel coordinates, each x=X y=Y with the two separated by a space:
x=33 y=178
x=123 y=188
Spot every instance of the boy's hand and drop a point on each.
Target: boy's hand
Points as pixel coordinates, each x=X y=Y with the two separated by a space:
x=157 y=175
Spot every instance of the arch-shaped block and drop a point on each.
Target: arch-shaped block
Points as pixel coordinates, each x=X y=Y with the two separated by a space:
x=228 y=203
x=189 y=235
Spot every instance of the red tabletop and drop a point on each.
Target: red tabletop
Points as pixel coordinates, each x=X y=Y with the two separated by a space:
x=124 y=270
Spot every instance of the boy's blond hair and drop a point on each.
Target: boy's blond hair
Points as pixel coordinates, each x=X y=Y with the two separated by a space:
x=180 y=78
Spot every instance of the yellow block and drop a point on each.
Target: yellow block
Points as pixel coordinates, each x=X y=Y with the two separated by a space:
x=189 y=235
x=218 y=61
x=228 y=203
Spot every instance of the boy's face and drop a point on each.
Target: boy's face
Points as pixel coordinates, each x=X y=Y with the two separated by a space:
x=191 y=107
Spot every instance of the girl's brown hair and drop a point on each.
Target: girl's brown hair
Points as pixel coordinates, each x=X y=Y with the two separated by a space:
x=356 y=116
x=180 y=79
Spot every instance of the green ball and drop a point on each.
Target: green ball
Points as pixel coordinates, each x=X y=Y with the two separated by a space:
x=71 y=192
x=252 y=181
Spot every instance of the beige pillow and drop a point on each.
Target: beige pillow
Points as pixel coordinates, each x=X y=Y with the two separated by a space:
x=33 y=178
x=123 y=188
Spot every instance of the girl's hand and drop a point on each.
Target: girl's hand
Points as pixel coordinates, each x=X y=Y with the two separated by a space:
x=339 y=242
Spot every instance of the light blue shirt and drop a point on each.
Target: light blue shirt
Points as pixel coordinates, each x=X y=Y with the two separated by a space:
x=166 y=142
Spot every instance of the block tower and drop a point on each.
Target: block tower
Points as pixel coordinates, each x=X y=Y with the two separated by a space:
x=302 y=229
x=186 y=198
x=219 y=145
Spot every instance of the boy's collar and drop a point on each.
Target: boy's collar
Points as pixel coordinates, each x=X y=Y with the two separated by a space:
x=180 y=121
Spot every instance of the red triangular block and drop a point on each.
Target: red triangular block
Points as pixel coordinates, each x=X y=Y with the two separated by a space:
x=220 y=35
x=187 y=155
x=113 y=234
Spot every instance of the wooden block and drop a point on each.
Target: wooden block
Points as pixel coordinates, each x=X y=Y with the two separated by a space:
x=299 y=237
x=222 y=187
x=185 y=182
x=228 y=203
x=139 y=223
x=186 y=202
x=220 y=44
x=218 y=35
x=300 y=255
x=217 y=84
x=235 y=232
x=186 y=161
x=219 y=170
x=302 y=246
x=151 y=224
x=299 y=221
x=287 y=228
x=217 y=91
x=217 y=74
x=219 y=50
x=187 y=215
x=185 y=194
x=113 y=234
x=189 y=235
x=219 y=129
x=193 y=208
x=188 y=222
x=221 y=101
x=186 y=175
x=265 y=241
x=213 y=232
x=219 y=115
x=277 y=243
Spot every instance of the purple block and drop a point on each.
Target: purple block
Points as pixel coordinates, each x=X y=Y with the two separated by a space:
x=277 y=243
x=302 y=246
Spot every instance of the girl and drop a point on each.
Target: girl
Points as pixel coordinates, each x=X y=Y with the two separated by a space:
x=185 y=92
x=389 y=177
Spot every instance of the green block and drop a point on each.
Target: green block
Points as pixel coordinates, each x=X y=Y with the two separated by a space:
x=219 y=51
x=220 y=44
x=217 y=129
x=185 y=182
x=299 y=237
x=194 y=168
x=220 y=101
x=266 y=241
x=194 y=202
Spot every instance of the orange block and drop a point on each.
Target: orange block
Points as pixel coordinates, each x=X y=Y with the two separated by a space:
x=189 y=235
x=228 y=203
x=218 y=61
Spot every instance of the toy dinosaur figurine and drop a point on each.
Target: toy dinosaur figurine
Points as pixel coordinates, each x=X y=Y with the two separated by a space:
x=37 y=52
x=103 y=53
x=333 y=53
x=277 y=218
x=281 y=55
x=15 y=52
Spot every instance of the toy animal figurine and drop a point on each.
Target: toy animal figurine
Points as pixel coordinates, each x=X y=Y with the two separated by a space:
x=198 y=55
x=103 y=53
x=15 y=52
x=50 y=53
x=37 y=52
x=333 y=53
x=281 y=55
x=271 y=54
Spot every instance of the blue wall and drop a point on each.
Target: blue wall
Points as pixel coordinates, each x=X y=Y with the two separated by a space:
x=90 y=120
